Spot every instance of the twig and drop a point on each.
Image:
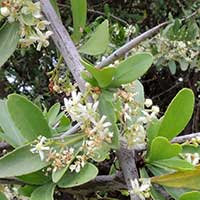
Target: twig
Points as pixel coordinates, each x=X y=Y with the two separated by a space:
x=100 y=183
x=64 y=43
x=71 y=131
x=128 y=165
x=184 y=138
x=111 y=15
x=134 y=42
x=128 y=46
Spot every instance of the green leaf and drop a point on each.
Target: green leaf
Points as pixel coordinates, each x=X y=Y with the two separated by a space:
x=152 y=131
x=52 y=113
x=172 y=67
x=2 y=196
x=44 y=192
x=101 y=153
x=89 y=78
x=106 y=108
x=79 y=12
x=183 y=179
x=20 y=162
x=161 y=149
x=103 y=76
x=9 y=38
x=138 y=90
x=183 y=64
x=26 y=190
x=98 y=42
x=27 y=117
x=174 y=163
x=178 y=114
x=72 y=179
x=11 y=134
x=132 y=68
x=35 y=178
x=194 y=195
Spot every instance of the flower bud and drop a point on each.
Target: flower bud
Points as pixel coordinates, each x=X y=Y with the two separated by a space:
x=155 y=109
x=148 y=103
x=5 y=11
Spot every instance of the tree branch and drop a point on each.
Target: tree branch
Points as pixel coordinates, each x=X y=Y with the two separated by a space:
x=128 y=165
x=128 y=46
x=100 y=183
x=64 y=43
x=184 y=138
x=134 y=42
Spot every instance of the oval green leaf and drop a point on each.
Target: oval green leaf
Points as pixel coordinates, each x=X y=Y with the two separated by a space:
x=9 y=38
x=132 y=68
x=178 y=114
x=27 y=117
x=183 y=179
x=162 y=149
x=72 y=179
x=44 y=192
x=20 y=162
x=194 y=195
x=98 y=43
x=11 y=134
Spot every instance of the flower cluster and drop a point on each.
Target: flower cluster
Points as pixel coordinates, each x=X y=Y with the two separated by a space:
x=92 y=124
x=60 y=159
x=141 y=190
x=28 y=14
x=134 y=117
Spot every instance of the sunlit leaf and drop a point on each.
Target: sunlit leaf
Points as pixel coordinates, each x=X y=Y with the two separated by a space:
x=178 y=114
x=183 y=179
x=98 y=43
x=132 y=68
x=161 y=149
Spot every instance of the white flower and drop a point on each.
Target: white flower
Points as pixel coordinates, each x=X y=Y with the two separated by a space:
x=5 y=11
x=78 y=164
x=148 y=103
x=41 y=38
x=141 y=190
x=32 y=8
x=40 y=148
x=42 y=25
x=192 y=158
x=155 y=109
x=75 y=100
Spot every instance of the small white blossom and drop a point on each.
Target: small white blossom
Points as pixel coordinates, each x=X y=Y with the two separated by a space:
x=5 y=11
x=40 y=148
x=148 y=103
x=78 y=164
x=155 y=109
x=192 y=158
x=141 y=190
